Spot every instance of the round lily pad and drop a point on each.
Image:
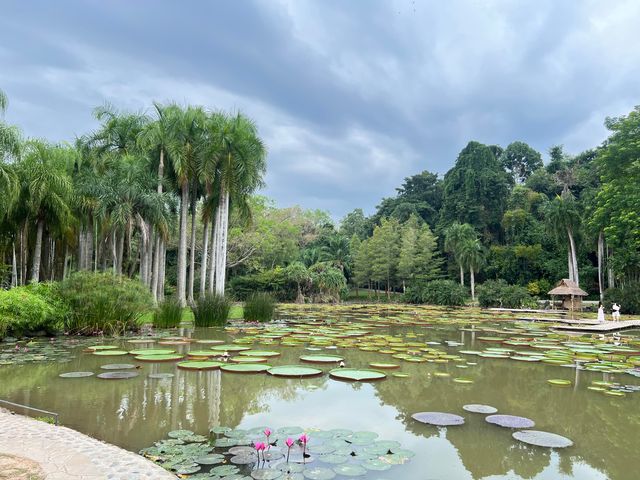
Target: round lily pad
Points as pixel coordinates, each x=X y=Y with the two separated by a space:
x=249 y=359
x=201 y=353
x=350 y=470
x=558 y=382
x=141 y=341
x=199 y=365
x=245 y=367
x=102 y=347
x=479 y=408
x=118 y=366
x=159 y=358
x=354 y=375
x=152 y=351
x=439 y=419
x=211 y=459
x=384 y=366
x=294 y=371
x=319 y=473
x=110 y=353
x=321 y=358
x=161 y=376
x=230 y=348
x=117 y=375
x=266 y=474
x=542 y=439
x=463 y=380
x=376 y=465
x=510 y=421
x=259 y=353
x=76 y=374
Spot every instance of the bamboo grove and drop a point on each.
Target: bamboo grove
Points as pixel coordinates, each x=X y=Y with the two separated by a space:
x=111 y=200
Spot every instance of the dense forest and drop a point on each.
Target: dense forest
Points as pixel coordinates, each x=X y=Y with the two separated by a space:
x=169 y=198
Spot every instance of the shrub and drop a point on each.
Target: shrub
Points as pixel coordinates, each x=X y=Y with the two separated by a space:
x=103 y=303
x=498 y=293
x=259 y=307
x=627 y=297
x=168 y=314
x=275 y=281
x=211 y=310
x=31 y=310
x=437 y=292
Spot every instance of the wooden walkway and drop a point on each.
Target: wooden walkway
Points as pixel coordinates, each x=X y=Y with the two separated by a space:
x=604 y=327
x=567 y=321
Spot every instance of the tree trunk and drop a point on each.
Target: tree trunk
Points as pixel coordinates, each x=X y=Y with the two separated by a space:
x=461 y=275
x=569 y=263
x=37 y=253
x=120 y=252
x=182 y=246
x=221 y=254
x=472 y=281
x=156 y=268
x=89 y=248
x=204 y=263
x=215 y=240
x=14 y=266
x=600 y=259
x=192 y=251
x=611 y=280
x=574 y=257
x=65 y=268
x=52 y=261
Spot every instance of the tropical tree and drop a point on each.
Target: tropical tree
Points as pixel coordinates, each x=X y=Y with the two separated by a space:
x=455 y=237
x=298 y=273
x=520 y=160
x=563 y=219
x=472 y=255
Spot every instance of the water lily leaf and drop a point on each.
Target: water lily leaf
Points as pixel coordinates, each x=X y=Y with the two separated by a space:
x=558 y=382
x=350 y=470
x=319 y=473
x=159 y=358
x=479 y=408
x=110 y=353
x=510 y=421
x=117 y=375
x=294 y=371
x=321 y=358
x=76 y=374
x=118 y=366
x=376 y=464
x=211 y=459
x=199 y=365
x=152 y=351
x=161 y=376
x=266 y=474
x=260 y=353
x=439 y=419
x=351 y=374
x=542 y=439
x=245 y=367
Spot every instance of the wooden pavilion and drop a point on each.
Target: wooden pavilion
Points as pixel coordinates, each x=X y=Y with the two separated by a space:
x=570 y=294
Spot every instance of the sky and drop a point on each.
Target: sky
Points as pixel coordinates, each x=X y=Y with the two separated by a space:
x=349 y=96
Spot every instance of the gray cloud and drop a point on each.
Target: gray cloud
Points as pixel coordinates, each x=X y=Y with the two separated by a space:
x=350 y=96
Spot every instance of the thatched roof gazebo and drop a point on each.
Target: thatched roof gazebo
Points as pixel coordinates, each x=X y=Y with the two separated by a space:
x=570 y=293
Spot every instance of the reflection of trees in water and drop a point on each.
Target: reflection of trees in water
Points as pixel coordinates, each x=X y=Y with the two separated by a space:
x=604 y=432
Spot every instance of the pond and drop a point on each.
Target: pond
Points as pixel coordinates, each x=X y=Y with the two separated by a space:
x=445 y=360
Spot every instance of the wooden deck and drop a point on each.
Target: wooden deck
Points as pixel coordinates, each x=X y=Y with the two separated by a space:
x=604 y=327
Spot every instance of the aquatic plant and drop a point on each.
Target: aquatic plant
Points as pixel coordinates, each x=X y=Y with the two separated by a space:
x=259 y=307
x=168 y=314
x=211 y=310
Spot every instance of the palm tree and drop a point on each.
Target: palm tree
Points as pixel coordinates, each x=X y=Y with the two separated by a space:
x=472 y=256
x=337 y=251
x=563 y=218
x=10 y=143
x=455 y=236
x=184 y=150
x=239 y=156
x=47 y=192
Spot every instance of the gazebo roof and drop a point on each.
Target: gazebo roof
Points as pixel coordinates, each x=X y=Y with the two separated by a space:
x=568 y=287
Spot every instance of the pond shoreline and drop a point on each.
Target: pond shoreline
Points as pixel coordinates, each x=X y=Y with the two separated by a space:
x=66 y=454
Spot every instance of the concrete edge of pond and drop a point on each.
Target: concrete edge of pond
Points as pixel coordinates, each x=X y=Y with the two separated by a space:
x=66 y=454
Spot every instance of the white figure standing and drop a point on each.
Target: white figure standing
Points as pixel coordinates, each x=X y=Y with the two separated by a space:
x=600 y=312
x=615 y=312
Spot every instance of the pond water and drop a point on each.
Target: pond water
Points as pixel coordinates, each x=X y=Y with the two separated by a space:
x=134 y=413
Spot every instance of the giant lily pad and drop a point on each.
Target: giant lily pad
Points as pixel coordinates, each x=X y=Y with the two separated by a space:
x=260 y=353
x=118 y=366
x=245 y=367
x=230 y=348
x=558 y=382
x=76 y=374
x=439 y=419
x=199 y=365
x=319 y=473
x=321 y=358
x=354 y=375
x=102 y=347
x=159 y=358
x=478 y=408
x=510 y=421
x=117 y=375
x=542 y=439
x=152 y=351
x=294 y=371
x=266 y=474
x=110 y=353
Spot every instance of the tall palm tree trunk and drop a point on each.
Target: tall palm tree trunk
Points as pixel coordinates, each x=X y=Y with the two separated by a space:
x=215 y=239
x=600 y=260
x=472 y=281
x=182 y=246
x=574 y=258
x=221 y=253
x=204 y=264
x=156 y=269
x=192 y=251
x=461 y=274
x=37 y=253
x=14 y=266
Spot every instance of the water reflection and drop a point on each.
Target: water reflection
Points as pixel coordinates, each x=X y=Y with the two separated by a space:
x=135 y=413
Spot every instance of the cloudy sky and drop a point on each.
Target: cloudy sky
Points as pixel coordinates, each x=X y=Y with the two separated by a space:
x=350 y=96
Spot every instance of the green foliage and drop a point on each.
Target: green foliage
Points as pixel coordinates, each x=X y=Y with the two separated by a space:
x=259 y=307
x=328 y=282
x=273 y=281
x=211 y=310
x=498 y=293
x=539 y=287
x=103 y=303
x=627 y=297
x=520 y=160
x=168 y=314
x=437 y=292
x=383 y=251
x=31 y=310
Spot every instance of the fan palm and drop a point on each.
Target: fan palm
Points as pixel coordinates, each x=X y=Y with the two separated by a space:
x=472 y=256
x=455 y=236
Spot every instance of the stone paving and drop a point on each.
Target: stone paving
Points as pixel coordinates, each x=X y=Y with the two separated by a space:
x=65 y=454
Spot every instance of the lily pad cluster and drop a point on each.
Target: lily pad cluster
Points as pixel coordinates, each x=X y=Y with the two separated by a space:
x=288 y=453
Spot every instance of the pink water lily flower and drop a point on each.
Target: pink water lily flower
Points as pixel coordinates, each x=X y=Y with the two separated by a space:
x=289 y=444
x=304 y=439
